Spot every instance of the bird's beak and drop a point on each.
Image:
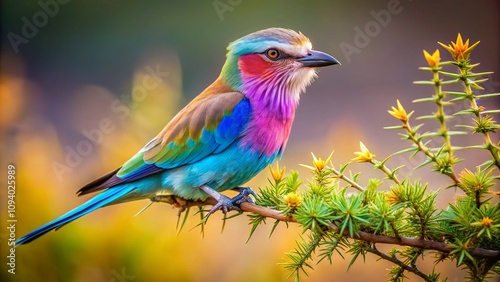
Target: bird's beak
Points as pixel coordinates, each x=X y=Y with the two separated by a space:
x=318 y=59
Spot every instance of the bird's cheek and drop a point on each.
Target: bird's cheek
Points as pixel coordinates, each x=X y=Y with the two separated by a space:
x=253 y=64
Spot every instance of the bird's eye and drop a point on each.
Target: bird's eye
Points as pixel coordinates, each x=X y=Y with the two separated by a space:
x=273 y=54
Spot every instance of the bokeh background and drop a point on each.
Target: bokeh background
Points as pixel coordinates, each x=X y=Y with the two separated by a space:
x=74 y=106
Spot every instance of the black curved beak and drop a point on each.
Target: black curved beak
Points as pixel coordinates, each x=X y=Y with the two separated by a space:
x=317 y=59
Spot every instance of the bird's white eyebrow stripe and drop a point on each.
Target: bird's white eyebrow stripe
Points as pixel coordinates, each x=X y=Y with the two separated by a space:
x=292 y=50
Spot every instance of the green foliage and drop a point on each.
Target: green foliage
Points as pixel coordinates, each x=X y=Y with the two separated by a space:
x=340 y=220
x=314 y=214
x=385 y=217
x=350 y=212
x=300 y=256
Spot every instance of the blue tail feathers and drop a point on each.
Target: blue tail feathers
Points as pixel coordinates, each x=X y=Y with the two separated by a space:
x=100 y=200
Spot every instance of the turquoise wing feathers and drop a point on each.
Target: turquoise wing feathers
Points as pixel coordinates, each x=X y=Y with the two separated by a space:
x=206 y=126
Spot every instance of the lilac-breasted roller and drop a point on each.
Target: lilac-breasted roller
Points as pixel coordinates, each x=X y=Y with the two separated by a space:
x=225 y=136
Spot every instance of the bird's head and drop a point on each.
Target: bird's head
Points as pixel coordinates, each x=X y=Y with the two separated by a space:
x=273 y=59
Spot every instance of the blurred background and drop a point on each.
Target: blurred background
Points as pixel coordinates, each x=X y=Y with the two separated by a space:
x=75 y=105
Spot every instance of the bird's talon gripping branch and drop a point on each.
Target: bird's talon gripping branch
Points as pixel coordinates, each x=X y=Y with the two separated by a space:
x=244 y=195
x=226 y=204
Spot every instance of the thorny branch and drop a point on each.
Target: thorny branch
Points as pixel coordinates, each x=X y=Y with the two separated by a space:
x=364 y=236
x=399 y=263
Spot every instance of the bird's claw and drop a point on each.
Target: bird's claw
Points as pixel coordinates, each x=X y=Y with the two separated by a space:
x=244 y=195
x=226 y=204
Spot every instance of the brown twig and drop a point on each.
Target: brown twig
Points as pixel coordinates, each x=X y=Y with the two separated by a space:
x=365 y=236
x=353 y=184
x=399 y=263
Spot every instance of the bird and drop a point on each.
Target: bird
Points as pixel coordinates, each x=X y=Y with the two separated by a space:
x=224 y=137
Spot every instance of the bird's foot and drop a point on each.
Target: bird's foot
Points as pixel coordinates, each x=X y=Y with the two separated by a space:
x=175 y=201
x=244 y=195
x=224 y=203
